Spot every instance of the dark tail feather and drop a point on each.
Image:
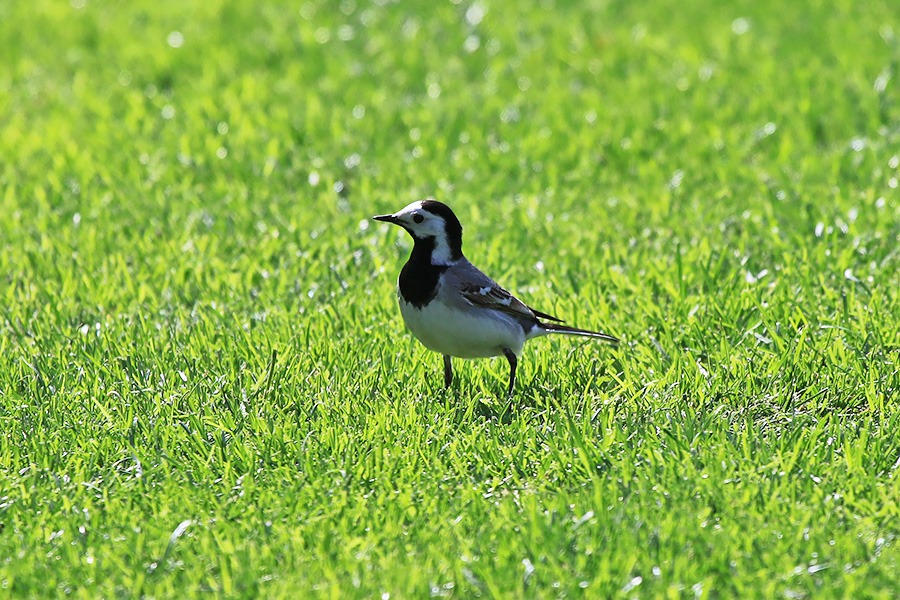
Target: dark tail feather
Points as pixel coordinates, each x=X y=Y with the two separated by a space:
x=565 y=329
x=543 y=315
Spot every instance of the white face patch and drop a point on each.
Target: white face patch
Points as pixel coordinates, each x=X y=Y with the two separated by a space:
x=424 y=224
x=409 y=209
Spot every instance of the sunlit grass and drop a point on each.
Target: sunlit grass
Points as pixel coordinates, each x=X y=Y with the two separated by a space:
x=205 y=384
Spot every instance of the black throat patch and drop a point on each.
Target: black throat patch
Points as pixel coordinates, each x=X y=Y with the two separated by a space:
x=419 y=278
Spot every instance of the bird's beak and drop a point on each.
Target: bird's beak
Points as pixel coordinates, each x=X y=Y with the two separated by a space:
x=387 y=219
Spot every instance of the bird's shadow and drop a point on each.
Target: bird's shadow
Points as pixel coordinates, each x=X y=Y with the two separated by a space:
x=481 y=396
x=464 y=401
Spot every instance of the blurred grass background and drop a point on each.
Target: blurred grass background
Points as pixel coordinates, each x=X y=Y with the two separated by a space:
x=205 y=385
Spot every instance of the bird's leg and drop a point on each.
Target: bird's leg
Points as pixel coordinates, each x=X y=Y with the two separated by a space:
x=511 y=357
x=448 y=371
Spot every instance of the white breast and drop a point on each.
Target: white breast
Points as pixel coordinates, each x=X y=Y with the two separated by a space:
x=478 y=333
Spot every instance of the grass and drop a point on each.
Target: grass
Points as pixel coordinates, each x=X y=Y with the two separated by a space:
x=205 y=385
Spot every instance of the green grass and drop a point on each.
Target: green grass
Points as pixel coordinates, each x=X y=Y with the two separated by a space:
x=205 y=384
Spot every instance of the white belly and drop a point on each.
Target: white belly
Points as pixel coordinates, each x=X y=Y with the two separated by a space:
x=476 y=334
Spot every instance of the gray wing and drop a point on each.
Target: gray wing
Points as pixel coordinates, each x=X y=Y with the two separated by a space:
x=477 y=289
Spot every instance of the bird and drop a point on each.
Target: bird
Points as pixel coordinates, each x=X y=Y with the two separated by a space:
x=452 y=307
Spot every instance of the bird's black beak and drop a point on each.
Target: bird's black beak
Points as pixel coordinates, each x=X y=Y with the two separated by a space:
x=387 y=219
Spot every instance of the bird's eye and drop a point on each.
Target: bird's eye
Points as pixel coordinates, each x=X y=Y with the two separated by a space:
x=418 y=218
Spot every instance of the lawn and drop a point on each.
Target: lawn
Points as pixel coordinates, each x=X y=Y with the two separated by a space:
x=206 y=388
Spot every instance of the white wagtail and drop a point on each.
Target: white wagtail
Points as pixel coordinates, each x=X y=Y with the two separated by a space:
x=455 y=309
